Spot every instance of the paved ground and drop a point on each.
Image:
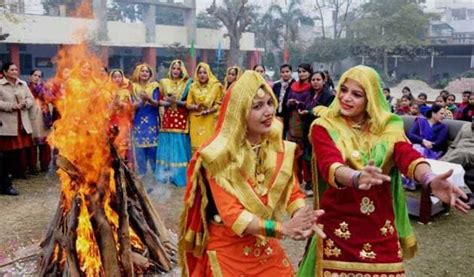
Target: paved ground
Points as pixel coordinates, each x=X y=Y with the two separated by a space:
x=446 y=246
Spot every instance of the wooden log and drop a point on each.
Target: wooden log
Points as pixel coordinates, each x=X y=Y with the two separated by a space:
x=57 y=263
x=125 y=250
x=72 y=263
x=48 y=235
x=141 y=264
x=70 y=169
x=149 y=237
x=47 y=263
x=103 y=231
x=151 y=216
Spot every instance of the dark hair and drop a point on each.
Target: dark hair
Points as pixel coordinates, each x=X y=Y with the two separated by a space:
x=406 y=88
x=286 y=65
x=406 y=97
x=257 y=65
x=307 y=67
x=423 y=94
x=434 y=109
x=34 y=70
x=113 y=71
x=454 y=96
x=387 y=89
x=6 y=66
x=444 y=92
x=320 y=73
x=467 y=92
x=233 y=69
x=442 y=97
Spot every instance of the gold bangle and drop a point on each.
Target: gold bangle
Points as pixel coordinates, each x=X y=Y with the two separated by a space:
x=278 y=233
x=261 y=225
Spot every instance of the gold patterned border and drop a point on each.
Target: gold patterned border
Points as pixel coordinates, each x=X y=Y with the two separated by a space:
x=295 y=205
x=161 y=162
x=328 y=273
x=332 y=174
x=413 y=165
x=179 y=131
x=409 y=246
x=363 y=267
x=242 y=221
x=215 y=267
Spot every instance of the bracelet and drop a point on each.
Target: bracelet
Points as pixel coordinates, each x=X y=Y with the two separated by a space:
x=261 y=226
x=355 y=179
x=270 y=228
x=278 y=233
x=426 y=179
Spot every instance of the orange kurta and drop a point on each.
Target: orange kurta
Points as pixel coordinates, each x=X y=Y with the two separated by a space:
x=223 y=196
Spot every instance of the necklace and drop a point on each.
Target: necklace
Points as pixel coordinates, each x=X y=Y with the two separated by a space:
x=357 y=125
x=260 y=187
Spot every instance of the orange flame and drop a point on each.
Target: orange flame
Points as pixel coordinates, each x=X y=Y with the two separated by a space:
x=86 y=245
x=81 y=135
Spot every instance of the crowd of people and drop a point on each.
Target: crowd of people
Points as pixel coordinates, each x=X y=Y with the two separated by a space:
x=409 y=105
x=253 y=144
x=242 y=181
x=168 y=119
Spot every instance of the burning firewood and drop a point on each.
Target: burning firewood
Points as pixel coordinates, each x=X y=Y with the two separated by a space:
x=105 y=223
x=151 y=252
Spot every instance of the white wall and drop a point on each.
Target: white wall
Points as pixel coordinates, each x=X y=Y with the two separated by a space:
x=35 y=29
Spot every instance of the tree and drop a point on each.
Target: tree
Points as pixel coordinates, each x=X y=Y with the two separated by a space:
x=330 y=51
x=73 y=8
x=277 y=30
x=387 y=27
x=204 y=20
x=236 y=15
x=120 y=11
x=341 y=15
x=290 y=19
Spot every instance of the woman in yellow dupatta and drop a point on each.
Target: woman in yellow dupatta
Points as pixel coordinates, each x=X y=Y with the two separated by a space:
x=203 y=103
x=174 y=148
x=240 y=183
x=232 y=74
x=360 y=149
x=122 y=112
x=145 y=98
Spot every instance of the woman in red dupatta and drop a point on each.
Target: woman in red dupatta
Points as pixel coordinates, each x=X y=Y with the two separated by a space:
x=239 y=185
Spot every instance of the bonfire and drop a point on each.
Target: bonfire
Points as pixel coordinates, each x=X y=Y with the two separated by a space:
x=105 y=223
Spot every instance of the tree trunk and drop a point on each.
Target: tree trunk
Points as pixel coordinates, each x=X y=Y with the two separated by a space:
x=234 y=50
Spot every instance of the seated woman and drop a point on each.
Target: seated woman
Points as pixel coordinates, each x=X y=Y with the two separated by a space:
x=360 y=149
x=239 y=185
x=429 y=135
x=441 y=101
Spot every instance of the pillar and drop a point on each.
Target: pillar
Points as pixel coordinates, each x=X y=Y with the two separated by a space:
x=15 y=55
x=204 y=55
x=251 y=59
x=149 y=56
x=104 y=55
x=191 y=64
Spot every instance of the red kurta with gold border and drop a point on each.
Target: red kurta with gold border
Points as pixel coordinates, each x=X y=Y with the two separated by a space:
x=174 y=118
x=361 y=234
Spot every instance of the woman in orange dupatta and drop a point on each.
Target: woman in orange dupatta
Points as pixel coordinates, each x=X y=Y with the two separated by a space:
x=239 y=185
